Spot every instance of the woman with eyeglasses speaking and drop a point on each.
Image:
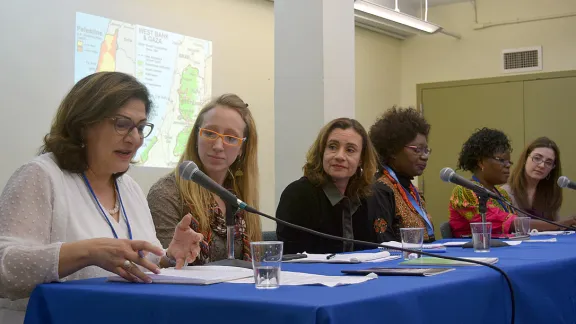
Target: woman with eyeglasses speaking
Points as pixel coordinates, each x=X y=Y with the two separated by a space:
x=532 y=185
x=72 y=212
x=400 y=137
x=223 y=143
x=487 y=155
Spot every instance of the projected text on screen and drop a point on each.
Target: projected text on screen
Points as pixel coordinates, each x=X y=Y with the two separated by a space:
x=176 y=69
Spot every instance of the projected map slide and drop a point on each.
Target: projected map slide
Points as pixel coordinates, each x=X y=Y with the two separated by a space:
x=176 y=69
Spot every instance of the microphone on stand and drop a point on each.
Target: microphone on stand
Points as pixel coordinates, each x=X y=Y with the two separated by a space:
x=190 y=171
x=449 y=175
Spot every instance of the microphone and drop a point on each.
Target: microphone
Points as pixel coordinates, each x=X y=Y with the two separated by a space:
x=564 y=182
x=189 y=171
x=448 y=175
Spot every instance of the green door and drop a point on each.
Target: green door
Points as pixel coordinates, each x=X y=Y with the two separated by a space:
x=550 y=110
x=455 y=112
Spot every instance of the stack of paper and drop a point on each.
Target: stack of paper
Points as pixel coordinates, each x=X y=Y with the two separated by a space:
x=431 y=248
x=288 y=278
x=345 y=258
x=195 y=275
x=535 y=232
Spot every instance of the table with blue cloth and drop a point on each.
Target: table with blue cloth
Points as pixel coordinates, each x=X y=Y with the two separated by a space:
x=543 y=277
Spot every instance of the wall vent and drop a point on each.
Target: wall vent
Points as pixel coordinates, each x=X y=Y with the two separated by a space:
x=522 y=59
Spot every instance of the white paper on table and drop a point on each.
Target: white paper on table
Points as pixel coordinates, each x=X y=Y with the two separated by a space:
x=388 y=258
x=195 y=275
x=288 y=278
x=429 y=246
x=551 y=240
x=512 y=243
x=460 y=243
x=456 y=243
x=342 y=258
x=535 y=232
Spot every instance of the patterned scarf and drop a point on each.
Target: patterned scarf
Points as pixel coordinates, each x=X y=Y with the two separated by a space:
x=218 y=226
x=406 y=213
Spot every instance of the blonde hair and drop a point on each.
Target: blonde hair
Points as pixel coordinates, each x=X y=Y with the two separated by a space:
x=245 y=186
x=359 y=185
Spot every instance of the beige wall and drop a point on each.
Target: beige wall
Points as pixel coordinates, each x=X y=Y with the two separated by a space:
x=478 y=54
x=242 y=32
x=377 y=75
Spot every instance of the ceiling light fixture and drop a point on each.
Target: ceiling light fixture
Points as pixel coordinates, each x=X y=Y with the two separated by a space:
x=396 y=16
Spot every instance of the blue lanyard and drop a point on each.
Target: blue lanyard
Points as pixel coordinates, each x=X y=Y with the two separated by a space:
x=504 y=207
x=417 y=205
x=102 y=209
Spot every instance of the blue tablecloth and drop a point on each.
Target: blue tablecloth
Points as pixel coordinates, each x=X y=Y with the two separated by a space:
x=543 y=275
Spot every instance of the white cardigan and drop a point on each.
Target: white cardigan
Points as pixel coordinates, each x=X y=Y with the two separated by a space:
x=42 y=207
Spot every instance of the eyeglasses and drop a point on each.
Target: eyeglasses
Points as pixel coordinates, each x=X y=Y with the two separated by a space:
x=125 y=125
x=502 y=161
x=540 y=159
x=226 y=139
x=423 y=151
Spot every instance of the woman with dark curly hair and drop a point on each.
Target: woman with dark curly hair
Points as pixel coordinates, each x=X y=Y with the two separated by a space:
x=331 y=196
x=487 y=155
x=400 y=137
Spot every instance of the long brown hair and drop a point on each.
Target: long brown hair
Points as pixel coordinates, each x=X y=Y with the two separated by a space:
x=245 y=186
x=548 y=196
x=90 y=100
x=360 y=183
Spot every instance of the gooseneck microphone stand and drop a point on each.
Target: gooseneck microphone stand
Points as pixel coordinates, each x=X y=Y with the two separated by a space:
x=231 y=261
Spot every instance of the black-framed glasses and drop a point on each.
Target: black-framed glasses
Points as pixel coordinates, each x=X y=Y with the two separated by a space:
x=502 y=161
x=124 y=125
x=420 y=150
x=537 y=158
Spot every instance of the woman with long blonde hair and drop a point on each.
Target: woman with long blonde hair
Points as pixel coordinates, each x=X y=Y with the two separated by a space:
x=223 y=143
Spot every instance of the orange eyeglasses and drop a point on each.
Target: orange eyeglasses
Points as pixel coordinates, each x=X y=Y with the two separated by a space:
x=226 y=139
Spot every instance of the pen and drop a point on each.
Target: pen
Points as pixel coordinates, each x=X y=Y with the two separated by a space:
x=141 y=254
x=330 y=256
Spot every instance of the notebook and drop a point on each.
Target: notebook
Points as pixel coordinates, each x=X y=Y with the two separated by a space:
x=423 y=272
x=443 y=262
x=195 y=275
x=344 y=258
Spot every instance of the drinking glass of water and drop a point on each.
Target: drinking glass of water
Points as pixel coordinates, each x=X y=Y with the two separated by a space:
x=266 y=261
x=522 y=226
x=412 y=238
x=481 y=236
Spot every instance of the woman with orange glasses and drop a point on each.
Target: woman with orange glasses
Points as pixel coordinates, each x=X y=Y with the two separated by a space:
x=223 y=143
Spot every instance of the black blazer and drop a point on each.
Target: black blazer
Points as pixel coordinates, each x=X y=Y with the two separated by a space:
x=306 y=205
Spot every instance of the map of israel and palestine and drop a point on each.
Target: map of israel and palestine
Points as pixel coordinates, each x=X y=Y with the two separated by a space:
x=176 y=69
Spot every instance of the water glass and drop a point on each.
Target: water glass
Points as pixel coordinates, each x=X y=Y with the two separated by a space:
x=481 y=236
x=266 y=262
x=412 y=238
x=522 y=226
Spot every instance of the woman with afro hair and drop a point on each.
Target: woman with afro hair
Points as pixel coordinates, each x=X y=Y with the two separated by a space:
x=486 y=154
x=400 y=137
